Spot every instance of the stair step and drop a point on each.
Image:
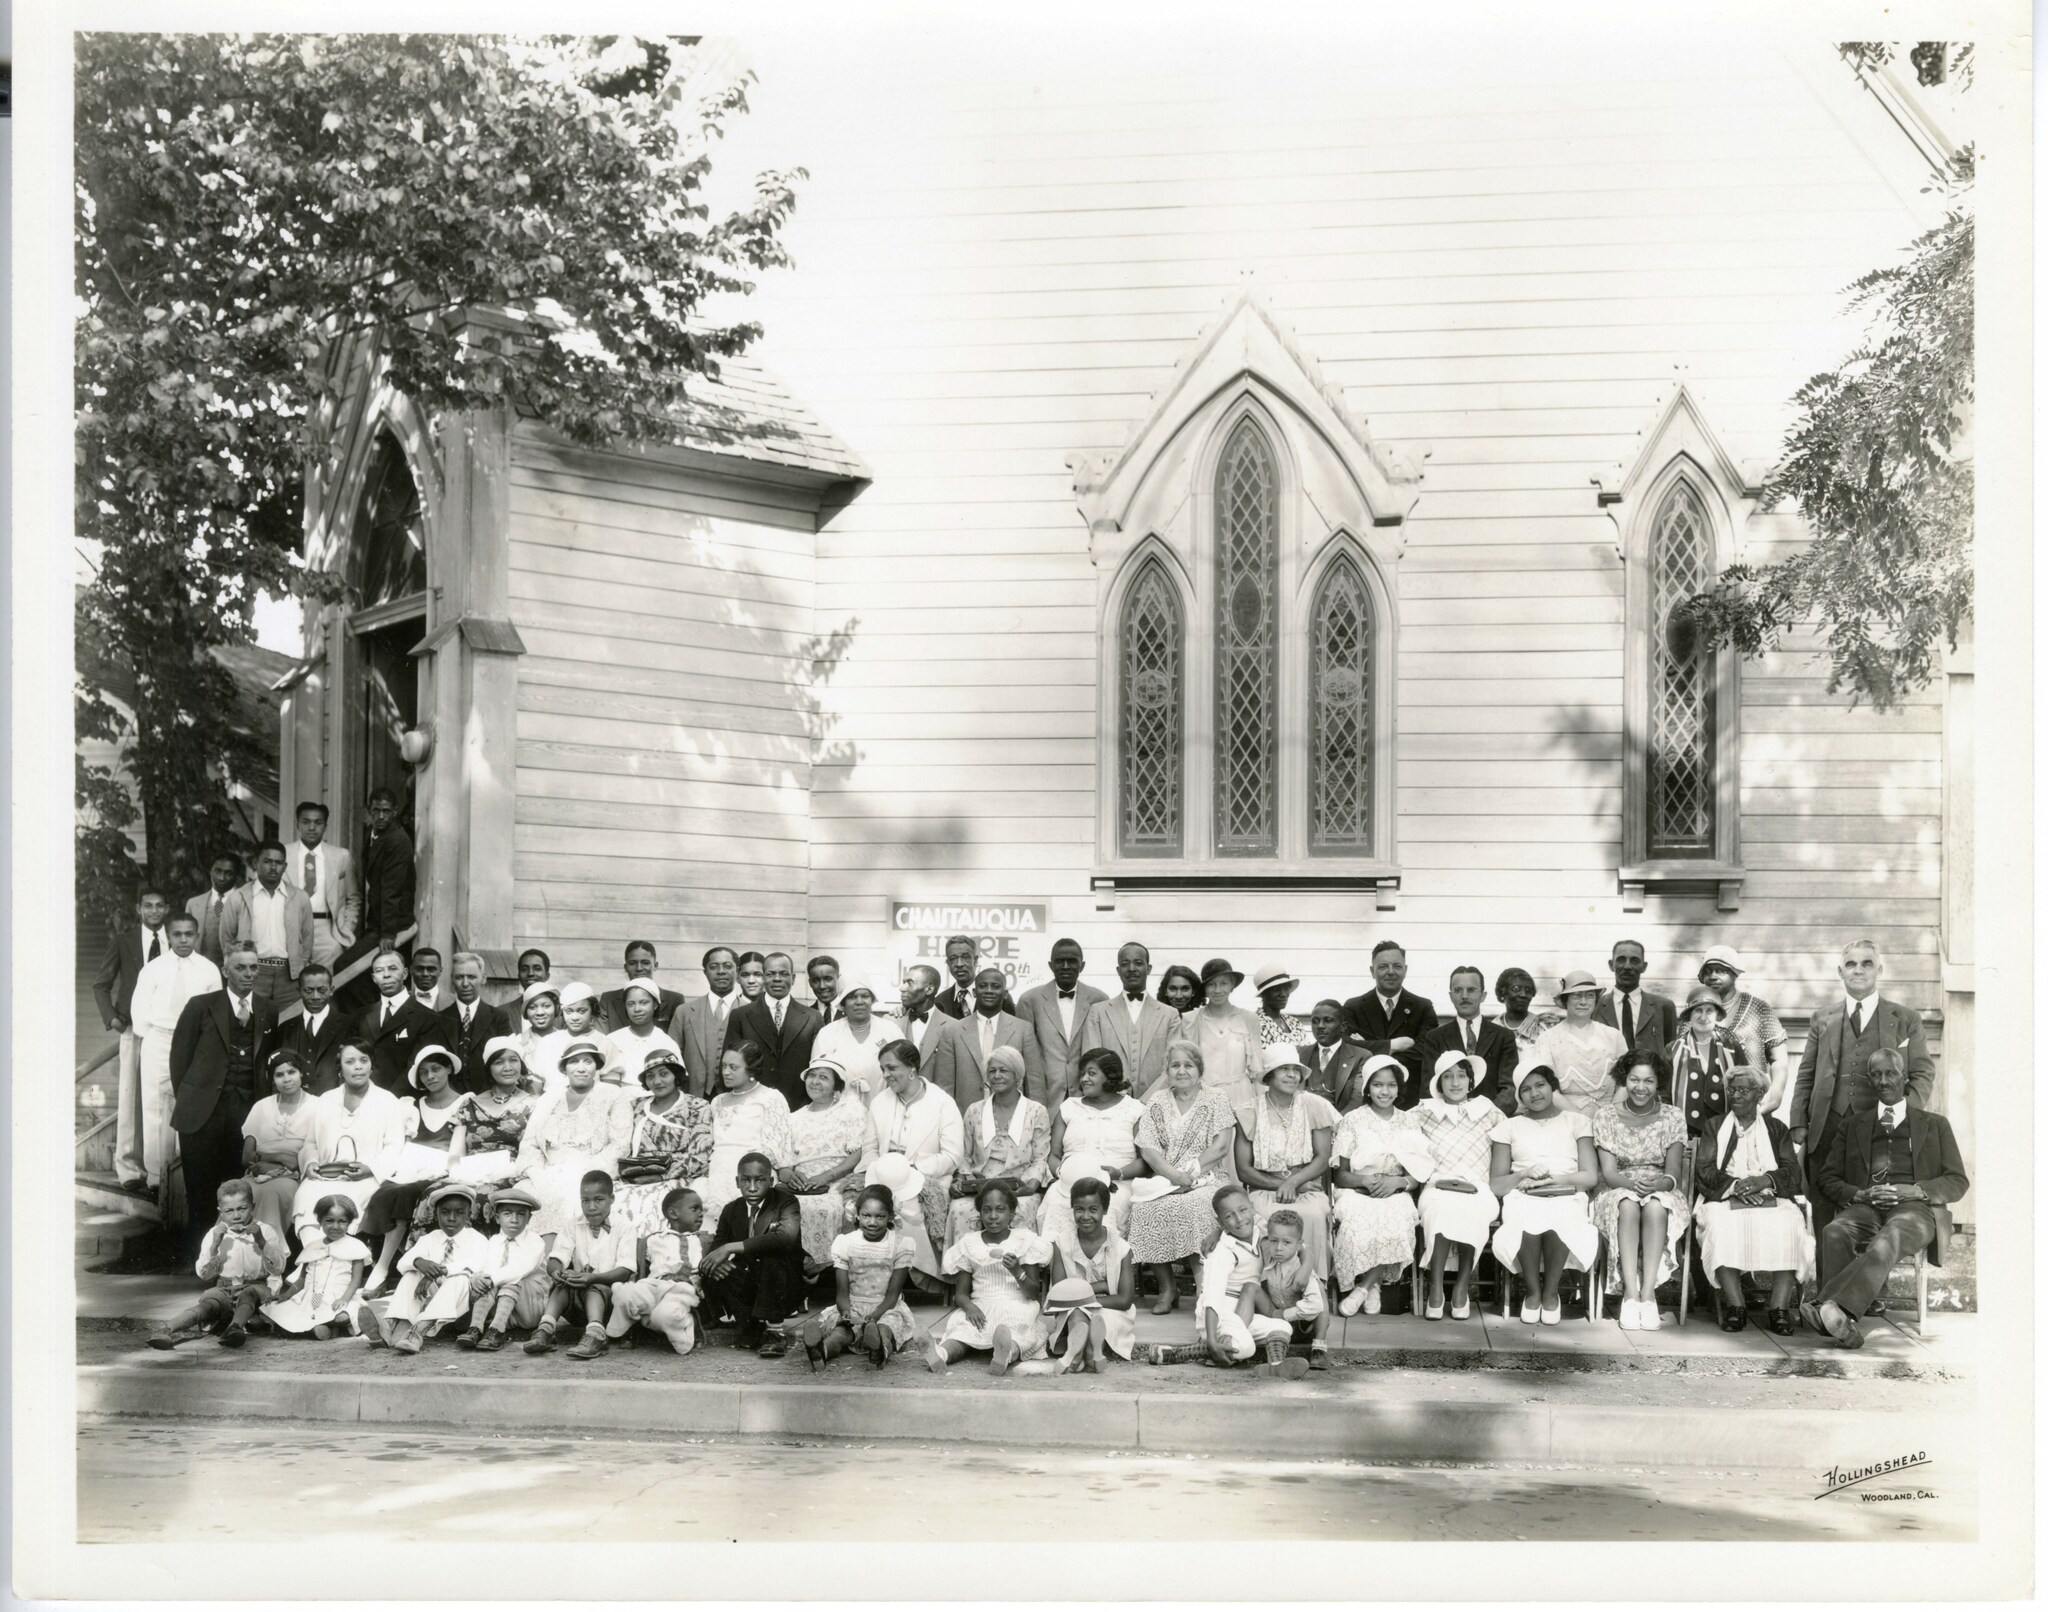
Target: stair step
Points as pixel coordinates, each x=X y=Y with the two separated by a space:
x=107 y=1231
x=98 y=1190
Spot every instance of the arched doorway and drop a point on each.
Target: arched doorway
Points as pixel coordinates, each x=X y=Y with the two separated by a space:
x=389 y=618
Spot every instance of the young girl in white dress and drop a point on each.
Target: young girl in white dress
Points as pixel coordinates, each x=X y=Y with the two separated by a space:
x=998 y=1279
x=329 y=1271
x=1380 y=1159
x=1092 y=1289
x=1543 y=1166
x=871 y=1265
x=1457 y=1204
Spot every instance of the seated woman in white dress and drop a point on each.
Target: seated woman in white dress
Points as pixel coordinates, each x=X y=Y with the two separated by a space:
x=582 y=1127
x=1284 y=1138
x=358 y=1134
x=920 y=1124
x=1748 y=1175
x=1457 y=1207
x=855 y=1041
x=1008 y=1138
x=834 y=1140
x=1638 y=1142
x=1378 y=1161
x=640 y=1038
x=746 y=1117
x=1095 y=1133
x=1543 y=1167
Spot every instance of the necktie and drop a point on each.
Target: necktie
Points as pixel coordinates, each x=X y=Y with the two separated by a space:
x=1856 y=1018
x=775 y=1012
x=1628 y=1020
x=241 y=1008
x=468 y=1013
x=1884 y=1121
x=1471 y=1040
x=156 y=944
x=988 y=1035
x=390 y=1008
x=312 y=875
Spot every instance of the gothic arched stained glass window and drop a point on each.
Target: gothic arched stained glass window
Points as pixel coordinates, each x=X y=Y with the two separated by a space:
x=1340 y=794
x=1246 y=645
x=1681 y=786
x=1150 y=646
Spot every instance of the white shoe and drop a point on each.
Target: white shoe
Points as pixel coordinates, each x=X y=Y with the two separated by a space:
x=1462 y=1312
x=1372 y=1299
x=1532 y=1312
x=1553 y=1314
x=1628 y=1315
x=1350 y=1302
x=1647 y=1318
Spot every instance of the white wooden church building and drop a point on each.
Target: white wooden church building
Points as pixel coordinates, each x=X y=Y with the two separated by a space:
x=1241 y=511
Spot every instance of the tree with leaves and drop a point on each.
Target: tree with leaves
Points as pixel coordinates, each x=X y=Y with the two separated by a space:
x=1877 y=462
x=248 y=205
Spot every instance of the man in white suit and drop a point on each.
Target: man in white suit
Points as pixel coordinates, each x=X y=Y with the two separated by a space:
x=161 y=991
x=960 y=1051
x=698 y=1026
x=325 y=875
x=1132 y=1025
x=1056 y=1011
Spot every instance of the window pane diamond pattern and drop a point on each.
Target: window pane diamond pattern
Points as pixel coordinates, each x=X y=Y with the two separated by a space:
x=1246 y=646
x=1149 y=739
x=1681 y=734
x=1340 y=738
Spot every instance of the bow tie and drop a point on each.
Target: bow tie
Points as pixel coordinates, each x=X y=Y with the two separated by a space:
x=1066 y=996
x=1134 y=996
x=916 y=1018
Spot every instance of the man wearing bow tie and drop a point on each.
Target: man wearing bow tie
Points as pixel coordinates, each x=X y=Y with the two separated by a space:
x=1891 y=1174
x=921 y=1019
x=1131 y=1024
x=1834 y=1069
x=1056 y=1011
x=698 y=1026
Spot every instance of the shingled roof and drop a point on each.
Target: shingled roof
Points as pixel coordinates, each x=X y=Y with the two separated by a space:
x=747 y=413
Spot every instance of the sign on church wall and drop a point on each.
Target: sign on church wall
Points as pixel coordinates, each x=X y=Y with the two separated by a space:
x=1009 y=935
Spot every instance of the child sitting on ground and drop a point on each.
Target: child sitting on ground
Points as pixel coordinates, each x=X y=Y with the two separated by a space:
x=998 y=1278
x=243 y=1259
x=871 y=1265
x=665 y=1299
x=1228 y=1335
x=433 y=1276
x=1093 y=1286
x=1289 y=1291
x=511 y=1287
x=593 y=1254
x=328 y=1275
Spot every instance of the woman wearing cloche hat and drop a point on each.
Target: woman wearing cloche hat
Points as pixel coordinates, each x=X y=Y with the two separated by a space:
x=1228 y=1036
x=1580 y=1050
x=1751 y=1021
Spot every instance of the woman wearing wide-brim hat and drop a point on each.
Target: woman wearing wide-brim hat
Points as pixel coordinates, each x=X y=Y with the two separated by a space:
x=1751 y=1022
x=436 y=1138
x=1284 y=1136
x=1581 y=1050
x=1228 y=1036
x=1273 y=985
x=1702 y=1059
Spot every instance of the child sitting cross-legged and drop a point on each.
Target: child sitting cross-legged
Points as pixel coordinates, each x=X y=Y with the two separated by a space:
x=1289 y=1291
x=998 y=1278
x=665 y=1299
x=328 y=1275
x=433 y=1276
x=871 y=1265
x=511 y=1287
x=1232 y=1326
x=1092 y=1287
x=596 y=1251
x=243 y=1259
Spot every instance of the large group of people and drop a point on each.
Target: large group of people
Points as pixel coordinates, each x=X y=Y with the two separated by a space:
x=1039 y=1166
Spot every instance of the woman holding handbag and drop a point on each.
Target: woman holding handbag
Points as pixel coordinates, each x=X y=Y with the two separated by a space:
x=358 y=1132
x=435 y=1140
x=1748 y=1174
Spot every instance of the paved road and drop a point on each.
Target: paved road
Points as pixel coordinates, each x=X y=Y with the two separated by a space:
x=153 y=1480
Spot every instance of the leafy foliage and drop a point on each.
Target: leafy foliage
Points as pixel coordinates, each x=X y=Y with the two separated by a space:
x=1878 y=463
x=247 y=205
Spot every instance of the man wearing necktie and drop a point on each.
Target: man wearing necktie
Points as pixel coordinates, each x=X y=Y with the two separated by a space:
x=1333 y=1060
x=132 y=948
x=216 y=1069
x=1890 y=1175
x=325 y=875
x=699 y=1025
x=960 y=1053
x=1644 y=1018
x=163 y=988
x=1469 y=1030
x=1834 y=1081
x=1056 y=1011
x=469 y=1023
x=226 y=875
x=1393 y=1020
x=395 y=1025
x=786 y=1028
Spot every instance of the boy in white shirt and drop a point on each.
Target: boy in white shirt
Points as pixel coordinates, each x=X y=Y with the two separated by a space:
x=1227 y=1269
x=243 y=1258
x=596 y=1252
x=433 y=1283
x=512 y=1286
x=666 y=1297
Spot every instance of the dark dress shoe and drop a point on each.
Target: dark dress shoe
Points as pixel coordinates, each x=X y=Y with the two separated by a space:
x=1782 y=1322
x=1876 y=1307
x=1734 y=1321
x=773 y=1347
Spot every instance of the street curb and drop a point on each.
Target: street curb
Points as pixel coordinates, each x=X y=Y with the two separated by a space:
x=1253 y=1424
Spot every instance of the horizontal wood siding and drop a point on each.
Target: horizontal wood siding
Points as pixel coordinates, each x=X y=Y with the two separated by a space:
x=1000 y=268
x=666 y=727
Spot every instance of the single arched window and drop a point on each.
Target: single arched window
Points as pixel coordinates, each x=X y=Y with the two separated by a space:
x=1680 y=794
x=1341 y=715
x=1247 y=670
x=393 y=539
x=1150 y=648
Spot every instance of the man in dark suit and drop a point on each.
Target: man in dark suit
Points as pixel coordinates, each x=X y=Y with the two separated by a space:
x=822 y=974
x=113 y=989
x=227 y=877
x=1056 y=1011
x=959 y=1055
x=784 y=1026
x=1834 y=1080
x=469 y=1022
x=318 y=1030
x=395 y=1025
x=1392 y=1020
x=963 y=959
x=1467 y=1031
x=1644 y=1018
x=1332 y=1059
x=641 y=962
x=217 y=1072
x=388 y=876
x=1891 y=1175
